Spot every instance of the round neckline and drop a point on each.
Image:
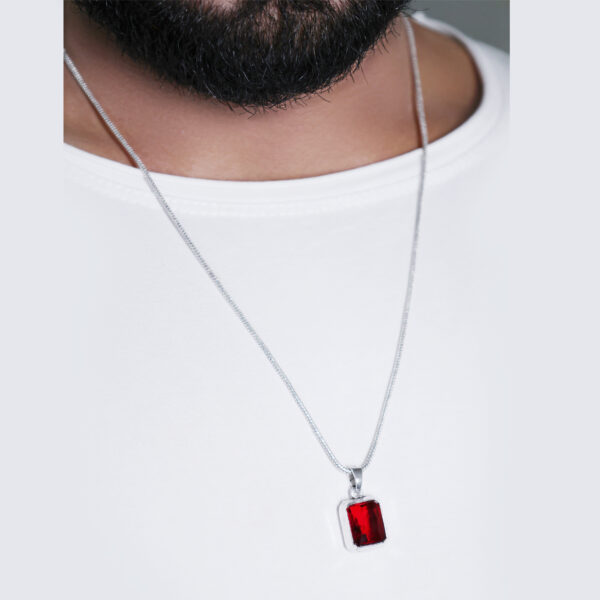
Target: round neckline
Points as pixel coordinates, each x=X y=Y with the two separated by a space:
x=308 y=194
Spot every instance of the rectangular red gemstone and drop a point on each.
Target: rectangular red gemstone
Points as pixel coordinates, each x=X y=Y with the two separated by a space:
x=366 y=523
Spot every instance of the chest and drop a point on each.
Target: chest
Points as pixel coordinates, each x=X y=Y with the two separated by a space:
x=201 y=474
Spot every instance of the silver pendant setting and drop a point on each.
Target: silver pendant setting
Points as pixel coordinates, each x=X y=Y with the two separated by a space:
x=360 y=517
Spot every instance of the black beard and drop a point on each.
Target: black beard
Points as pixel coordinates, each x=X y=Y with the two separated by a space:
x=256 y=53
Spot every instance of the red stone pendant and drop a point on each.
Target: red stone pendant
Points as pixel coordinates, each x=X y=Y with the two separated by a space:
x=360 y=517
x=361 y=523
x=366 y=523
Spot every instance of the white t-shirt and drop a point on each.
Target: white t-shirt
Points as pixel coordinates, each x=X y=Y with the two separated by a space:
x=201 y=479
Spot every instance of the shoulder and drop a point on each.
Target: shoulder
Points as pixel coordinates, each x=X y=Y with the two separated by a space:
x=493 y=63
x=455 y=59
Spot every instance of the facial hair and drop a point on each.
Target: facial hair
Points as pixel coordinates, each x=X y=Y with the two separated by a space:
x=251 y=53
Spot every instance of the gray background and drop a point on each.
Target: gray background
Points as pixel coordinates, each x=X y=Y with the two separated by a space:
x=486 y=20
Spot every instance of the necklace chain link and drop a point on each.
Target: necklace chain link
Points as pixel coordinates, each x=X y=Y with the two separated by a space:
x=422 y=123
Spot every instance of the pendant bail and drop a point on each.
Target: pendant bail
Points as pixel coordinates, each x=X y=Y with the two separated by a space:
x=355 y=483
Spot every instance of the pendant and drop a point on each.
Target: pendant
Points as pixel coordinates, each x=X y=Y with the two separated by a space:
x=360 y=517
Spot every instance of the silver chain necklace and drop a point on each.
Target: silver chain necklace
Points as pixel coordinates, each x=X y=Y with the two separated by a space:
x=364 y=525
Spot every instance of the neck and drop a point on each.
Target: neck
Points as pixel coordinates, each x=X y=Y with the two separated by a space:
x=363 y=119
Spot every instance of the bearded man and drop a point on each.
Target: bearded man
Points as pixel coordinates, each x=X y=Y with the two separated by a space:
x=304 y=150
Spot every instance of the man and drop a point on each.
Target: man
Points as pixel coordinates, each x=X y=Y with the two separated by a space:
x=284 y=135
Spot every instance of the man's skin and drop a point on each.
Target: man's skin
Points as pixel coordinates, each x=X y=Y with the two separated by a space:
x=363 y=119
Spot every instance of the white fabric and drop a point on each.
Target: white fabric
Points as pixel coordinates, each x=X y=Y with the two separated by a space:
x=202 y=480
